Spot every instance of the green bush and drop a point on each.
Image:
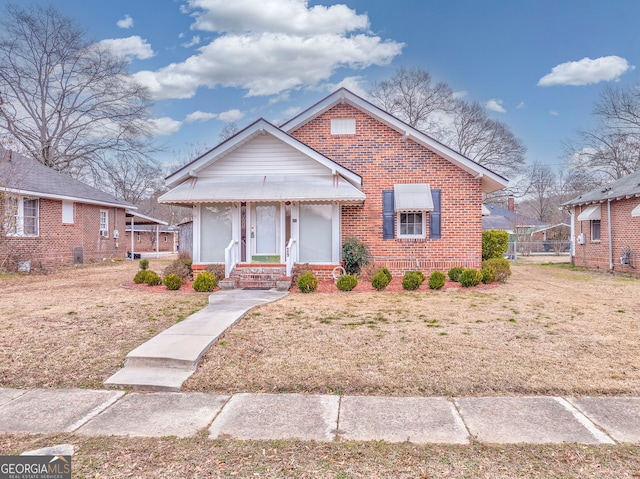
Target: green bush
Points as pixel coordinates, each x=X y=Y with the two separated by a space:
x=172 y=282
x=307 y=282
x=347 y=282
x=495 y=243
x=470 y=277
x=144 y=264
x=217 y=269
x=420 y=276
x=437 y=280
x=381 y=279
x=411 y=281
x=152 y=278
x=488 y=274
x=140 y=277
x=454 y=273
x=355 y=255
x=501 y=266
x=205 y=282
x=180 y=269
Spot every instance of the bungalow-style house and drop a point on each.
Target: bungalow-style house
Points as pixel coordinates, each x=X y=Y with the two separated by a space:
x=49 y=219
x=605 y=226
x=342 y=169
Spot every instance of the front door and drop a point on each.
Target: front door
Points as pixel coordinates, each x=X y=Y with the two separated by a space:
x=265 y=233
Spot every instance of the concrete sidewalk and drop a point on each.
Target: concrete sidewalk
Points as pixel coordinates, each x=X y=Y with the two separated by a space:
x=167 y=360
x=420 y=420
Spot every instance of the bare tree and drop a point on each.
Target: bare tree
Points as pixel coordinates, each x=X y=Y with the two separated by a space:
x=64 y=99
x=228 y=131
x=543 y=193
x=412 y=96
x=431 y=108
x=132 y=178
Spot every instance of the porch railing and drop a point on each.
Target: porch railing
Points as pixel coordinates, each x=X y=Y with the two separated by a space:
x=230 y=257
x=291 y=254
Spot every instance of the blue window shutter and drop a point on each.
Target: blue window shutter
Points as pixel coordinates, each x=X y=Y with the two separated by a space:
x=435 y=230
x=388 y=214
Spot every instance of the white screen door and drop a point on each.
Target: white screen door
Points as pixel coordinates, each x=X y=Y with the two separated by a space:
x=266 y=229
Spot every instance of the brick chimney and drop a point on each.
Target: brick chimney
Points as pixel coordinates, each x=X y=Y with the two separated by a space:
x=512 y=204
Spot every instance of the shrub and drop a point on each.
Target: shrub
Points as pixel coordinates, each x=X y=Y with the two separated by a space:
x=172 y=282
x=420 y=276
x=140 y=277
x=205 y=282
x=381 y=279
x=355 y=255
x=488 y=274
x=152 y=278
x=454 y=273
x=144 y=264
x=180 y=269
x=501 y=266
x=437 y=280
x=411 y=281
x=470 y=277
x=307 y=282
x=217 y=270
x=495 y=243
x=347 y=282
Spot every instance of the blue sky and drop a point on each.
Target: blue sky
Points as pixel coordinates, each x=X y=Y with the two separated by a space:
x=538 y=66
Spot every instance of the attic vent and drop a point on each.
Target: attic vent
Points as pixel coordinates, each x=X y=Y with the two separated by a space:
x=343 y=126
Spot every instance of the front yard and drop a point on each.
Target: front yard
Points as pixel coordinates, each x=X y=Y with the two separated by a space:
x=550 y=330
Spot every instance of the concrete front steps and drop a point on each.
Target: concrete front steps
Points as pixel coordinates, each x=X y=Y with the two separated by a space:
x=167 y=360
x=257 y=276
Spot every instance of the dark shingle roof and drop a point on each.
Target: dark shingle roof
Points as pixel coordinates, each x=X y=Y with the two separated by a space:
x=505 y=219
x=626 y=186
x=18 y=172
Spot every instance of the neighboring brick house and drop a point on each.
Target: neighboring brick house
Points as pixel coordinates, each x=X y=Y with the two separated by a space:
x=343 y=168
x=152 y=237
x=49 y=219
x=606 y=226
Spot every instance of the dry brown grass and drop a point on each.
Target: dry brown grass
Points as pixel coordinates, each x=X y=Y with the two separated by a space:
x=109 y=457
x=550 y=330
x=74 y=328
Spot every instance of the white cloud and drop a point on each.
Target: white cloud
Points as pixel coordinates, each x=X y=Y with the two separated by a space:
x=126 y=22
x=230 y=115
x=520 y=106
x=460 y=94
x=195 y=40
x=226 y=116
x=354 y=84
x=164 y=126
x=291 y=111
x=553 y=113
x=271 y=47
x=130 y=47
x=495 y=105
x=587 y=71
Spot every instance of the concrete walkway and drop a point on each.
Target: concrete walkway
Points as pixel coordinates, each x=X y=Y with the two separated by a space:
x=165 y=361
x=420 y=420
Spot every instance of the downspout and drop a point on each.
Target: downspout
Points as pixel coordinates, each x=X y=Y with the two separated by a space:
x=609 y=232
x=572 y=245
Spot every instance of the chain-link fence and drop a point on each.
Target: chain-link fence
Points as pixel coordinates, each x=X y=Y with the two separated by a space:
x=526 y=248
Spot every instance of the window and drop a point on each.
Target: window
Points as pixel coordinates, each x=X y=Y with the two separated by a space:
x=22 y=216
x=104 y=223
x=165 y=237
x=411 y=225
x=595 y=230
x=138 y=236
x=67 y=212
x=343 y=126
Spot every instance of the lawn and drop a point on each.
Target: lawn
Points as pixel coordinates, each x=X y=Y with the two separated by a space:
x=549 y=330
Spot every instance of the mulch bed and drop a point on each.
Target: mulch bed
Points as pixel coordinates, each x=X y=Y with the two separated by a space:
x=187 y=288
x=364 y=286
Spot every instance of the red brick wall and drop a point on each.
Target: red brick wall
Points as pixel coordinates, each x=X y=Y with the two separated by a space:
x=147 y=241
x=383 y=158
x=54 y=245
x=625 y=232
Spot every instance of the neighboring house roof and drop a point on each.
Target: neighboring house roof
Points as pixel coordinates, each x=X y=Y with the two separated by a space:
x=140 y=219
x=491 y=181
x=25 y=176
x=505 y=219
x=626 y=187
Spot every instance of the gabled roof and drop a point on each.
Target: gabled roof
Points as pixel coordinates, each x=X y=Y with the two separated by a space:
x=626 y=187
x=491 y=181
x=27 y=177
x=259 y=127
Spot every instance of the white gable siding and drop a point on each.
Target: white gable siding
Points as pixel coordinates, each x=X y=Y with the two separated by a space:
x=265 y=155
